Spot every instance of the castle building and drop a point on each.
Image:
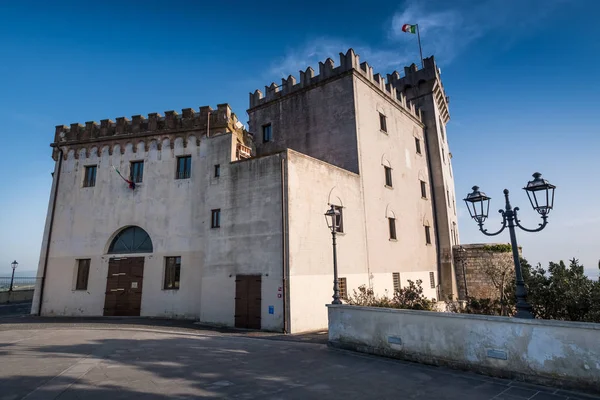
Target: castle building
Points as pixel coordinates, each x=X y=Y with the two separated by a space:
x=192 y=216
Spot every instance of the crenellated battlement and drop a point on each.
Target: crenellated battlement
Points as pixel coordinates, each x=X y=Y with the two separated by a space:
x=393 y=87
x=207 y=119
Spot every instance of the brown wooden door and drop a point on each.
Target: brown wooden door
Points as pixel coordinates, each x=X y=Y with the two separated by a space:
x=248 y=301
x=124 y=286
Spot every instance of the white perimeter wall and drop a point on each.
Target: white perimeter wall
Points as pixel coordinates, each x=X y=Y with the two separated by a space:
x=556 y=352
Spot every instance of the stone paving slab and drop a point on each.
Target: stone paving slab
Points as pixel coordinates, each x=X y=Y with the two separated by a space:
x=84 y=362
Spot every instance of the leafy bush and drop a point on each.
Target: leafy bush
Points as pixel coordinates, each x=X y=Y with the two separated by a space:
x=410 y=297
x=498 y=248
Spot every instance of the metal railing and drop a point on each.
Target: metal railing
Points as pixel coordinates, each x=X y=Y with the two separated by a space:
x=19 y=283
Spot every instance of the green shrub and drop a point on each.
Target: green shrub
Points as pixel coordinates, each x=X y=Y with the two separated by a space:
x=410 y=297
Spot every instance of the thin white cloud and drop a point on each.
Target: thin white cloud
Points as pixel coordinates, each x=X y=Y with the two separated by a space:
x=447 y=30
x=309 y=55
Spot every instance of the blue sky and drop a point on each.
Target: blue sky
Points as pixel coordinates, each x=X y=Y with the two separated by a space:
x=522 y=77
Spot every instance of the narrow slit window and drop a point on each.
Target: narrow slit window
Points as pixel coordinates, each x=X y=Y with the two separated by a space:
x=423 y=189
x=427 y=235
x=432 y=280
x=215 y=218
x=396 y=280
x=83 y=274
x=388 y=176
x=172 y=273
x=339 y=219
x=267 y=133
x=392 y=226
x=418 y=145
x=382 y=122
x=217 y=170
x=343 y=288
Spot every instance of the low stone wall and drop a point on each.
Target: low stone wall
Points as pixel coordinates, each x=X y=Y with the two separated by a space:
x=16 y=296
x=556 y=353
x=475 y=265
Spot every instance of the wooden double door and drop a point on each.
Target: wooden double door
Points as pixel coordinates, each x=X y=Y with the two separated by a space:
x=124 y=286
x=248 y=301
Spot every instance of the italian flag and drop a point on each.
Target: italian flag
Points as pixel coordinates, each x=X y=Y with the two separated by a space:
x=409 y=28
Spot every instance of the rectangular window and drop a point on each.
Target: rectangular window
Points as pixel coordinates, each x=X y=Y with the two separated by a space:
x=83 y=273
x=343 y=288
x=89 y=179
x=267 y=133
x=172 y=273
x=388 y=176
x=432 y=280
x=382 y=122
x=217 y=170
x=396 y=278
x=418 y=145
x=215 y=218
x=427 y=235
x=392 y=222
x=339 y=219
x=184 y=167
x=137 y=171
x=423 y=190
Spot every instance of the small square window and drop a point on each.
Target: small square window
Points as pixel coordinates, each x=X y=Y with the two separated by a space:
x=343 y=288
x=89 y=179
x=217 y=170
x=396 y=279
x=215 y=218
x=432 y=280
x=267 y=133
x=423 y=189
x=418 y=145
x=382 y=122
x=172 y=273
x=184 y=167
x=339 y=219
x=137 y=171
x=83 y=273
x=427 y=235
x=388 y=176
x=392 y=225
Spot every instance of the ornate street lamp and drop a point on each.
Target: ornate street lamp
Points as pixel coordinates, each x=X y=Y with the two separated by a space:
x=14 y=266
x=331 y=216
x=541 y=196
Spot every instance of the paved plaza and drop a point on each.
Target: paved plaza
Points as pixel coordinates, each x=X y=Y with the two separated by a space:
x=69 y=359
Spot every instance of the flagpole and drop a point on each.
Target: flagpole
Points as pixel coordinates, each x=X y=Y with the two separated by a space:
x=420 y=51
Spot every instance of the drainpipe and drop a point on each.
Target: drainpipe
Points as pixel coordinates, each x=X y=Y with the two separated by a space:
x=41 y=302
x=208 y=124
x=284 y=250
x=434 y=209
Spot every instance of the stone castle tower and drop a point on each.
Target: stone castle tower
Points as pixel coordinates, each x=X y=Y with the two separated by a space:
x=352 y=118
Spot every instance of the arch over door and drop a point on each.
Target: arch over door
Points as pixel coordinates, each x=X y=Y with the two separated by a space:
x=132 y=239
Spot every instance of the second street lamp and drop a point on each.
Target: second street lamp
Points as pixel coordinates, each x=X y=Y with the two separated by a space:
x=14 y=265
x=332 y=216
x=541 y=196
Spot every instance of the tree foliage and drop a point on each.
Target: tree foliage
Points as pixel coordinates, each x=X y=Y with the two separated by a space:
x=410 y=297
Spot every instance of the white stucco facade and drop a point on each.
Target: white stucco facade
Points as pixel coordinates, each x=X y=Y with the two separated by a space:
x=327 y=148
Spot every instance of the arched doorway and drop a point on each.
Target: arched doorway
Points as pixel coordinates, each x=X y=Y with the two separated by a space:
x=125 y=277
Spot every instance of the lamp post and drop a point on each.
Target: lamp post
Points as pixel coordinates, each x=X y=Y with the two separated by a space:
x=14 y=266
x=541 y=197
x=331 y=216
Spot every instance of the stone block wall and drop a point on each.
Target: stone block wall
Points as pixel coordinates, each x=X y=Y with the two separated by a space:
x=473 y=264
